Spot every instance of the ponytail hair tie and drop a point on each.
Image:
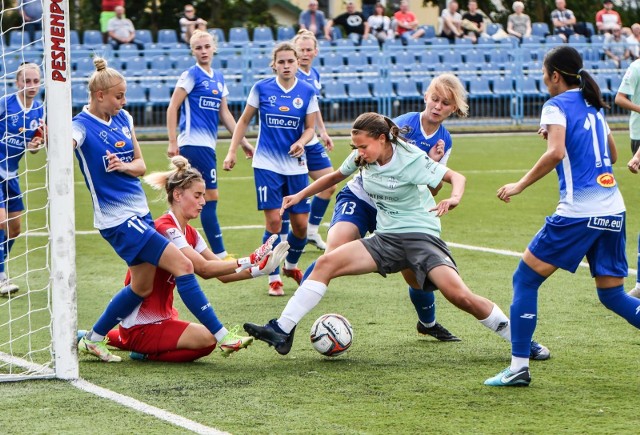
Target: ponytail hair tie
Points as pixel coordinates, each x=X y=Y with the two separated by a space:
x=391 y=137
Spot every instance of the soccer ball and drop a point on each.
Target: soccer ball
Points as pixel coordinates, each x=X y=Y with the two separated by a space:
x=331 y=334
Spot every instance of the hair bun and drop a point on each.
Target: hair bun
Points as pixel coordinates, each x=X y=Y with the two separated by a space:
x=100 y=63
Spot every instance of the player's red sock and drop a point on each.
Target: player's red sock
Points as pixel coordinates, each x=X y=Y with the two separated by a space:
x=114 y=339
x=181 y=355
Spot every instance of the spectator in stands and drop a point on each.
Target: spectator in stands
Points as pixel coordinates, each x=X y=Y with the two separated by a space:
x=616 y=47
x=31 y=11
x=634 y=41
x=405 y=23
x=563 y=20
x=314 y=20
x=121 y=31
x=190 y=22
x=519 y=23
x=607 y=18
x=108 y=12
x=352 y=22
x=380 y=24
x=451 y=22
x=473 y=22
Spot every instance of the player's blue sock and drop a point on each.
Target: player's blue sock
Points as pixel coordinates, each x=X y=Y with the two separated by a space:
x=10 y=243
x=318 y=209
x=286 y=223
x=265 y=237
x=211 y=226
x=296 y=245
x=120 y=306
x=621 y=303
x=195 y=300
x=425 y=305
x=524 y=308
x=308 y=272
x=3 y=251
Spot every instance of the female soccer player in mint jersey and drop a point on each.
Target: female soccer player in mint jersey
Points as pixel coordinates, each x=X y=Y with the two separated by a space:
x=201 y=98
x=407 y=237
x=287 y=107
x=153 y=331
x=21 y=128
x=318 y=161
x=590 y=217
x=111 y=162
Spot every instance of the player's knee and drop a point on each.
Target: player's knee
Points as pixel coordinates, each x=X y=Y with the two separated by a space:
x=142 y=291
x=326 y=266
x=15 y=228
x=184 y=266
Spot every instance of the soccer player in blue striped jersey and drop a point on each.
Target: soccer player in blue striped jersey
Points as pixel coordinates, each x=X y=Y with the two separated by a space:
x=287 y=108
x=111 y=162
x=200 y=96
x=590 y=217
x=318 y=160
x=21 y=128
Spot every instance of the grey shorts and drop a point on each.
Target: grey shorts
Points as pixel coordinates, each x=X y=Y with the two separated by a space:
x=635 y=144
x=418 y=252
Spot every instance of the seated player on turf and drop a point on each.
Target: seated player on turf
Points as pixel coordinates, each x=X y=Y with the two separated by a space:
x=407 y=237
x=153 y=331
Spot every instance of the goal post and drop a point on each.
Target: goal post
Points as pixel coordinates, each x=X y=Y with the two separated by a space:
x=38 y=323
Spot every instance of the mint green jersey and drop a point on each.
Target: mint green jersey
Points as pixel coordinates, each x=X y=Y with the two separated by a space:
x=631 y=86
x=399 y=190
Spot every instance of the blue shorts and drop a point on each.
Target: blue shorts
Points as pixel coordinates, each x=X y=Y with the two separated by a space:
x=204 y=160
x=350 y=208
x=271 y=187
x=10 y=195
x=564 y=242
x=317 y=157
x=136 y=241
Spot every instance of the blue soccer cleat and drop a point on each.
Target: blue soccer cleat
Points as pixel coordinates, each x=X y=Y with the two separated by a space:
x=539 y=352
x=507 y=378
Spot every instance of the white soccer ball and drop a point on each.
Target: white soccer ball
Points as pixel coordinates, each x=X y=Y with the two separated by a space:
x=331 y=334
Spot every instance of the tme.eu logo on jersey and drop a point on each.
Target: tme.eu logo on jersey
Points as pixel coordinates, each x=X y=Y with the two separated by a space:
x=209 y=103
x=283 y=121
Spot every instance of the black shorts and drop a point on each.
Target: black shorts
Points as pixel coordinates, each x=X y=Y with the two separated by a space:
x=635 y=144
x=418 y=252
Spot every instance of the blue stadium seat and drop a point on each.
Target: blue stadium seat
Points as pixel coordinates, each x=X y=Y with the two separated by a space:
x=218 y=34
x=357 y=60
x=479 y=87
x=597 y=40
x=463 y=41
x=533 y=40
x=18 y=38
x=136 y=66
x=128 y=51
x=85 y=67
x=603 y=84
x=492 y=29
x=407 y=89
x=235 y=64
x=528 y=86
x=429 y=31
x=382 y=88
x=75 y=38
x=540 y=29
x=238 y=36
x=260 y=64
x=183 y=63
x=577 y=39
x=503 y=86
x=474 y=57
x=236 y=93
x=262 y=36
x=167 y=38
x=285 y=33
x=553 y=40
x=144 y=36
x=439 y=40
x=91 y=39
x=333 y=62
x=404 y=58
x=450 y=56
x=498 y=57
x=79 y=95
x=359 y=89
x=615 y=80
x=334 y=90
x=136 y=95
x=160 y=94
x=161 y=64
x=485 y=40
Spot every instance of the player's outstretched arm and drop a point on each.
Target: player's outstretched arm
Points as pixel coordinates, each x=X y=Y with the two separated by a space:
x=457 y=181
x=317 y=186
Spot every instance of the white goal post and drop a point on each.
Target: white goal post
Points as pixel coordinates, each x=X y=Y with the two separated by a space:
x=31 y=348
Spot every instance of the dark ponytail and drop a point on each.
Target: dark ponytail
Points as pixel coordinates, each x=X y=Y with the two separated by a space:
x=373 y=125
x=568 y=63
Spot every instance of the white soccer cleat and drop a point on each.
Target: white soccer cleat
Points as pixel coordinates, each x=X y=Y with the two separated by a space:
x=316 y=240
x=7 y=287
x=634 y=293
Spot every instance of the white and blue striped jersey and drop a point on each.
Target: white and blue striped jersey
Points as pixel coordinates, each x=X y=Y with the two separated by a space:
x=587 y=185
x=200 y=111
x=418 y=137
x=313 y=79
x=17 y=126
x=116 y=196
x=282 y=120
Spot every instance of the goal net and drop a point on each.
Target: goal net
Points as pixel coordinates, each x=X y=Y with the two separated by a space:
x=38 y=320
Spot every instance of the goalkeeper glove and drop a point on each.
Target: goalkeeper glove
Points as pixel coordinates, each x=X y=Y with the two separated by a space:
x=258 y=255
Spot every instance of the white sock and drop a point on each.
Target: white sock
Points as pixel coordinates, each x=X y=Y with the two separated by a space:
x=221 y=334
x=93 y=336
x=303 y=300
x=428 y=325
x=290 y=266
x=498 y=323
x=283 y=237
x=274 y=278
x=222 y=255
x=518 y=363
x=312 y=229
x=3 y=275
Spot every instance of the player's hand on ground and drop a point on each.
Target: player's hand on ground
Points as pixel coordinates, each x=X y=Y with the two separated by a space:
x=437 y=151
x=544 y=133
x=634 y=164
x=445 y=205
x=172 y=149
x=507 y=191
x=328 y=142
x=271 y=261
x=288 y=201
x=229 y=161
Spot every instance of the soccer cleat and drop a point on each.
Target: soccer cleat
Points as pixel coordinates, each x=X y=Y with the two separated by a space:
x=272 y=335
x=81 y=334
x=293 y=273
x=316 y=240
x=276 y=288
x=230 y=257
x=437 y=331
x=507 y=378
x=634 y=293
x=232 y=342
x=539 y=352
x=137 y=356
x=97 y=349
x=7 y=287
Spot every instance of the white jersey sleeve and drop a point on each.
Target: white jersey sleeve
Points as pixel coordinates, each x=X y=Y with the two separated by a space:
x=313 y=105
x=552 y=115
x=253 y=99
x=201 y=245
x=176 y=237
x=186 y=82
x=79 y=133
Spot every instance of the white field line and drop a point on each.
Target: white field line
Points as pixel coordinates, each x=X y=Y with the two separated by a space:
x=120 y=399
